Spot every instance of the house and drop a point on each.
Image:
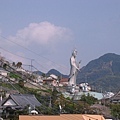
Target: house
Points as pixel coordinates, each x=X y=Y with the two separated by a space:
x=63 y=82
x=62 y=117
x=20 y=70
x=50 y=81
x=37 y=79
x=54 y=76
x=20 y=101
x=115 y=98
x=3 y=73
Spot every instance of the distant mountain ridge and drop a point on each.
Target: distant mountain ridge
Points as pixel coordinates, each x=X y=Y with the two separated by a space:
x=56 y=73
x=102 y=73
x=52 y=71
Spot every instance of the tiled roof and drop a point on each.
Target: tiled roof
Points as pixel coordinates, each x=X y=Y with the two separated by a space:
x=48 y=80
x=116 y=97
x=64 y=80
x=1 y=69
x=24 y=100
x=63 y=117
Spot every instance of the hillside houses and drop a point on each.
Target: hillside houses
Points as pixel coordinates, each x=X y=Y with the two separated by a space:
x=42 y=86
x=116 y=98
x=26 y=75
x=19 y=102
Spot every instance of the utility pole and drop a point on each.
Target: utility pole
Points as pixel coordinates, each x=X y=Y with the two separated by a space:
x=50 y=104
x=31 y=64
x=1 y=93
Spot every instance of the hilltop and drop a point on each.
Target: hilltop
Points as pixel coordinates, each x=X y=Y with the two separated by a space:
x=52 y=71
x=102 y=73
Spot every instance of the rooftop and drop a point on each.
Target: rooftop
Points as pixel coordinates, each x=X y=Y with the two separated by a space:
x=62 y=117
x=23 y=100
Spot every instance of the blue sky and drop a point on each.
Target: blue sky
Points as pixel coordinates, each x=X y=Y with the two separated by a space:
x=49 y=30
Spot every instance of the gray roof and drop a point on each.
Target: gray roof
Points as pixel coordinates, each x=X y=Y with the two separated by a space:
x=24 y=100
x=2 y=69
x=116 y=97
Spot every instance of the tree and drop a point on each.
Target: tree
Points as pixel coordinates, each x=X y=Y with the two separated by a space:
x=19 y=64
x=115 y=110
x=47 y=110
x=43 y=74
x=5 y=66
x=21 y=83
x=13 y=64
x=88 y=99
x=54 y=96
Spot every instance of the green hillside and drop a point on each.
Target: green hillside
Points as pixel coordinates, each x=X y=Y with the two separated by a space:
x=102 y=73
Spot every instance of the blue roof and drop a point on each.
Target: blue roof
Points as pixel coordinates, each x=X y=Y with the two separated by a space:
x=77 y=96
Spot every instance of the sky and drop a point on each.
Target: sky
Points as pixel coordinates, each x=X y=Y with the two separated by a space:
x=43 y=33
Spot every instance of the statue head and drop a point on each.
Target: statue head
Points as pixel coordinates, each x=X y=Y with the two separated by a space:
x=74 y=53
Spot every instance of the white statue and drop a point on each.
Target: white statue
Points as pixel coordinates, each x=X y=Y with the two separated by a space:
x=75 y=67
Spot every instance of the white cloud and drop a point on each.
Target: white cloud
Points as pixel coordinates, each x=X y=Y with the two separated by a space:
x=41 y=33
x=44 y=38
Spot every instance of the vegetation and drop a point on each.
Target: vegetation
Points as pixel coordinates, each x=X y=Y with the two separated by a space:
x=21 y=83
x=53 y=102
x=115 y=110
x=104 y=71
x=19 y=64
x=88 y=99
x=13 y=75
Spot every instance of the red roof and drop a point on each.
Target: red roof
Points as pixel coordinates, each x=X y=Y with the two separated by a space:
x=64 y=80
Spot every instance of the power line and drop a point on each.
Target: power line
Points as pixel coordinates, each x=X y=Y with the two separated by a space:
x=40 y=65
x=15 y=54
x=25 y=58
x=14 y=86
x=32 y=51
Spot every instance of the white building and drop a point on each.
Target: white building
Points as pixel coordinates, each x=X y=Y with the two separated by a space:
x=3 y=72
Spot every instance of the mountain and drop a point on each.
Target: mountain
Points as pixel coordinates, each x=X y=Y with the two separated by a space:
x=102 y=73
x=38 y=72
x=52 y=71
x=57 y=73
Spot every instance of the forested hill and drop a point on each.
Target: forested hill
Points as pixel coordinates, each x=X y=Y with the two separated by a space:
x=52 y=71
x=102 y=73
